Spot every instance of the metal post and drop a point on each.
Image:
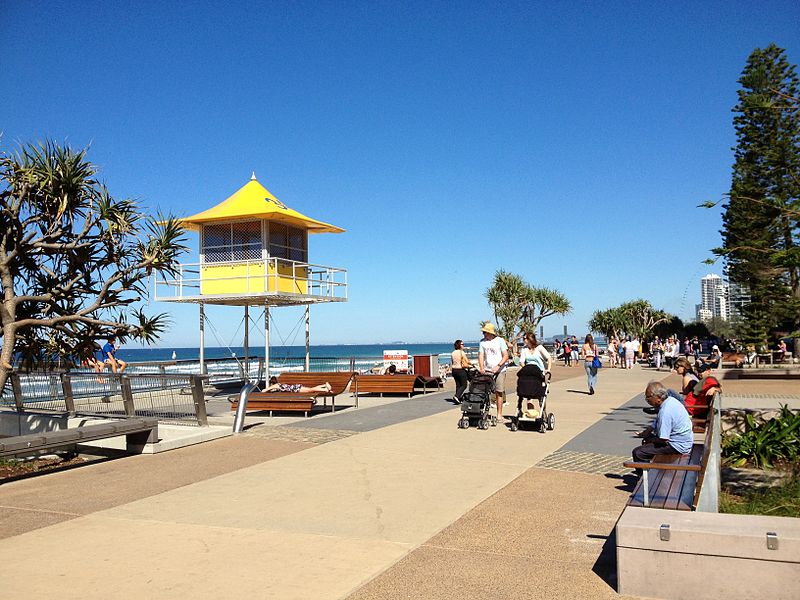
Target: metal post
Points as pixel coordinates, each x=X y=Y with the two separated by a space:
x=238 y=422
x=246 y=343
x=308 y=337
x=202 y=339
x=16 y=386
x=127 y=396
x=199 y=400
x=69 y=400
x=266 y=344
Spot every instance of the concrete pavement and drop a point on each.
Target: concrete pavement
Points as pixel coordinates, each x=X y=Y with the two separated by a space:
x=416 y=508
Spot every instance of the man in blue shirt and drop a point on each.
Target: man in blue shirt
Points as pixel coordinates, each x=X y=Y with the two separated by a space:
x=671 y=432
x=110 y=358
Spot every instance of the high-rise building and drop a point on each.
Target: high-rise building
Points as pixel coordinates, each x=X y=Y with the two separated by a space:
x=713 y=299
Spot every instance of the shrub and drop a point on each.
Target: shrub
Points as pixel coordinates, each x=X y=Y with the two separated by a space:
x=763 y=443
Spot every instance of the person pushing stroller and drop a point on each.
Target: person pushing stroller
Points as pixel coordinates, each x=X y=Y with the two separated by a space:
x=492 y=360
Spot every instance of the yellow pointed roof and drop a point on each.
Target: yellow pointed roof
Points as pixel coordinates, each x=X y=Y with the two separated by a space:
x=255 y=201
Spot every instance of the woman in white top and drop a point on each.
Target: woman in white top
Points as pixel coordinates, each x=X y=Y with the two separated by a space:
x=459 y=369
x=535 y=354
x=589 y=351
x=612 y=353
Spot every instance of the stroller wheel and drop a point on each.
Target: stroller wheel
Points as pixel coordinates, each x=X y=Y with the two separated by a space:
x=463 y=423
x=513 y=425
x=551 y=421
x=542 y=426
x=483 y=423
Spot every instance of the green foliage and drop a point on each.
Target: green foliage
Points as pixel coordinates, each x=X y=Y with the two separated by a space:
x=74 y=261
x=635 y=318
x=782 y=500
x=761 y=219
x=519 y=307
x=763 y=443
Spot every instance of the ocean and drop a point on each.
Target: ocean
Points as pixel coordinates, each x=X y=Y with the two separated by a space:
x=371 y=351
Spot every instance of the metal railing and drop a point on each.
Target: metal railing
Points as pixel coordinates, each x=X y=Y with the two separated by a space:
x=174 y=399
x=270 y=276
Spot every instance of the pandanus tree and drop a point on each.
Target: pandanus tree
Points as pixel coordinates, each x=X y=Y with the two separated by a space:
x=519 y=307
x=635 y=318
x=74 y=261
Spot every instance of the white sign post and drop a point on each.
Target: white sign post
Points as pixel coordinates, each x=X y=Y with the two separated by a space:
x=398 y=358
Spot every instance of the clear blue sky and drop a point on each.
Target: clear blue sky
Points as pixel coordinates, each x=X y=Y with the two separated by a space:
x=569 y=143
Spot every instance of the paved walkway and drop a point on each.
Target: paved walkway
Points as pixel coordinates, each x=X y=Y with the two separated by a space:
x=397 y=508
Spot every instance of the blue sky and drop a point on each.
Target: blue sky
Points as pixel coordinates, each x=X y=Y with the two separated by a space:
x=569 y=143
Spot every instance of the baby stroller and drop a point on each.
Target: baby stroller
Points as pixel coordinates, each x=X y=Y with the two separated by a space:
x=476 y=403
x=533 y=385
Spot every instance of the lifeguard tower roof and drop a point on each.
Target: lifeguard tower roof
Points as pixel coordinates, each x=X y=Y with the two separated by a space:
x=254 y=201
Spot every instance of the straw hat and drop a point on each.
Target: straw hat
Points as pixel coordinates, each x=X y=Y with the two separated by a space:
x=489 y=328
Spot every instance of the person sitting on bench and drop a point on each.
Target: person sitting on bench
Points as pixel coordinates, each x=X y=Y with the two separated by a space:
x=296 y=388
x=670 y=433
x=701 y=392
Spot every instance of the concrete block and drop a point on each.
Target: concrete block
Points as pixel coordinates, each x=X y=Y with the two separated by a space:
x=707 y=555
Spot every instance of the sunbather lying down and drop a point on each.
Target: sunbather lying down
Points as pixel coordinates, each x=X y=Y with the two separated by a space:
x=296 y=388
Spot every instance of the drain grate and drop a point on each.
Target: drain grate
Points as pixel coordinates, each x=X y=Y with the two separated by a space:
x=585 y=462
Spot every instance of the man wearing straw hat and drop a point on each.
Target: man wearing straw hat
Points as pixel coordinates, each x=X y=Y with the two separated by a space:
x=492 y=359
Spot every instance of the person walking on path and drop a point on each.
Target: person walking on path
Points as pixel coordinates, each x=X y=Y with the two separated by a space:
x=589 y=351
x=492 y=359
x=110 y=356
x=535 y=354
x=460 y=365
x=573 y=343
x=630 y=352
x=611 y=350
x=670 y=433
x=567 y=353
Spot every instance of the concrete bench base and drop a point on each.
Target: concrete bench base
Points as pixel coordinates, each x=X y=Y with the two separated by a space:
x=707 y=555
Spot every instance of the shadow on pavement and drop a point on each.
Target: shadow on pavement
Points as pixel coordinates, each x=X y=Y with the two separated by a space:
x=605 y=566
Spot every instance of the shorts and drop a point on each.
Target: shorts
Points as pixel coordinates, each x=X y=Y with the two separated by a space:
x=500 y=381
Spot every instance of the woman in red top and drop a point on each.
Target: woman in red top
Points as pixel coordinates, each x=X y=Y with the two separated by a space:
x=697 y=399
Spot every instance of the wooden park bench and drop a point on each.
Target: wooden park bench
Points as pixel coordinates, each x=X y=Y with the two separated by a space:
x=394 y=384
x=137 y=431
x=676 y=479
x=299 y=402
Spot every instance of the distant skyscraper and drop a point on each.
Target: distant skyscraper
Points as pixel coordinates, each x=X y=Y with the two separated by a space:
x=713 y=299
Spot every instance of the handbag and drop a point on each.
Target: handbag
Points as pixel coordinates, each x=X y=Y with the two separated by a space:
x=596 y=360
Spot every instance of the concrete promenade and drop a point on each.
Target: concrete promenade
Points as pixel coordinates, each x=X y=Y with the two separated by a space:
x=413 y=509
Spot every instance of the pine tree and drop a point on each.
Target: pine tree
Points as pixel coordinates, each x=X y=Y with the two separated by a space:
x=761 y=222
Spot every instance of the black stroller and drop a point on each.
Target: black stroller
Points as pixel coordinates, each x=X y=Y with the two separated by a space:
x=476 y=403
x=533 y=385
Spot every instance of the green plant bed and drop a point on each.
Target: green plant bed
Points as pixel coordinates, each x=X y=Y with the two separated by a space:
x=782 y=500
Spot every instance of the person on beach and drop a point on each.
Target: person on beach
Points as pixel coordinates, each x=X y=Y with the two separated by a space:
x=460 y=369
x=110 y=356
x=670 y=433
x=589 y=351
x=296 y=388
x=492 y=359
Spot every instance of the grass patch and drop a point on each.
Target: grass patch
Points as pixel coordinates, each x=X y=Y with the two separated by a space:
x=782 y=500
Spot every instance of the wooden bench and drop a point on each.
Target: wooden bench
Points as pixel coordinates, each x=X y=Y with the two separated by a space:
x=394 y=384
x=339 y=380
x=137 y=432
x=676 y=482
x=299 y=402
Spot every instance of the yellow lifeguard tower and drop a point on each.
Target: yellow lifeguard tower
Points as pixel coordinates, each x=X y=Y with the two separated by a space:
x=253 y=252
